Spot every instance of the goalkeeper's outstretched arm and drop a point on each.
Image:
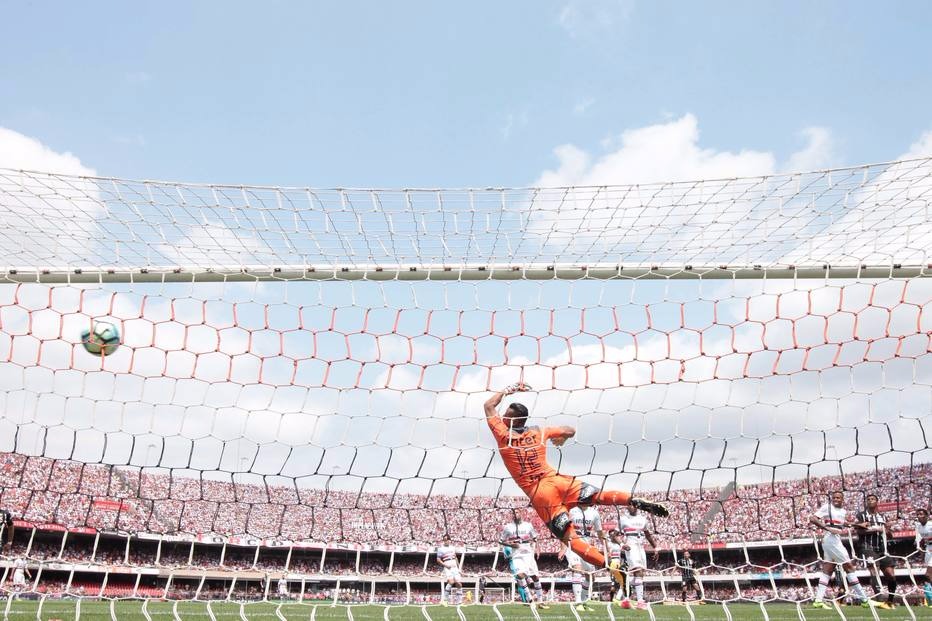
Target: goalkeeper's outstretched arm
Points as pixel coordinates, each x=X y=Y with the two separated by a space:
x=491 y=406
x=559 y=435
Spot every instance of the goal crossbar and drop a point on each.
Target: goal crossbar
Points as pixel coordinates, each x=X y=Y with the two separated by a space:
x=66 y=275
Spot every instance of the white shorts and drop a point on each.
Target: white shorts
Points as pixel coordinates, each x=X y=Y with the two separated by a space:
x=19 y=578
x=834 y=550
x=524 y=564
x=283 y=590
x=928 y=557
x=573 y=560
x=637 y=556
x=452 y=572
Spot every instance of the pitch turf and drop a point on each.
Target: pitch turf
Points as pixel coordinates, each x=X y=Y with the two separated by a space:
x=195 y=611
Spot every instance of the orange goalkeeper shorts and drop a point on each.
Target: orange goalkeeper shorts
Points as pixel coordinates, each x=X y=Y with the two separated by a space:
x=553 y=495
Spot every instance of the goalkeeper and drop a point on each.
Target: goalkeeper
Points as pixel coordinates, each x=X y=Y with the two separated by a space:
x=524 y=451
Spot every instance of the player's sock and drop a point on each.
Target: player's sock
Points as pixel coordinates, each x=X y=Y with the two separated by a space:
x=856 y=587
x=639 y=588
x=823 y=584
x=577 y=587
x=927 y=589
x=891 y=588
x=611 y=497
x=522 y=589
x=447 y=592
x=589 y=553
x=538 y=588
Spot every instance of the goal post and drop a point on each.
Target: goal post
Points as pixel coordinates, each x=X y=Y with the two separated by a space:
x=302 y=371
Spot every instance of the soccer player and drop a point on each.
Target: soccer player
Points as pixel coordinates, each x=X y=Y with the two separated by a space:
x=282 y=587
x=20 y=573
x=634 y=527
x=833 y=518
x=617 y=565
x=873 y=530
x=524 y=452
x=446 y=558
x=521 y=538
x=688 y=576
x=8 y=527
x=587 y=523
x=924 y=544
x=520 y=587
x=482 y=586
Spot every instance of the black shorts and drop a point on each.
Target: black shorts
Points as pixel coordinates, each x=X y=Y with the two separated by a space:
x=689 y=581
x=872 y=556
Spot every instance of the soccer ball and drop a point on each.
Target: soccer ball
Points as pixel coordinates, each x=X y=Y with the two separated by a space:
x=102 y=339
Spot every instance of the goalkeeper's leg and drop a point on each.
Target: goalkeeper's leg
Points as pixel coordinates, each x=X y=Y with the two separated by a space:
x=580 y=546
x=554 y=494
x=591 y=495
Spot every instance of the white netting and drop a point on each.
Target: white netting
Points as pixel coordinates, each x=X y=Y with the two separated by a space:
x=870 y=215
x=311 y=393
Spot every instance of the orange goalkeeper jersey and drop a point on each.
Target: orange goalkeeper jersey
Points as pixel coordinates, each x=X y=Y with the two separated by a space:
x=524 y=451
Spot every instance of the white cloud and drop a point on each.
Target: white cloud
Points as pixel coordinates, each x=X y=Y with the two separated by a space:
x=211 y=244
x=882 y=220
x=920 y=148
x=49 y=221
x=20 y=152
x=655 y=153
x=819 y=152
x=625 y=206
x=658 y=197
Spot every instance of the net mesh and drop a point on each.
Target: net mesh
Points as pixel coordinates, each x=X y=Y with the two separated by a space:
x=870 y=215
x=305 y=369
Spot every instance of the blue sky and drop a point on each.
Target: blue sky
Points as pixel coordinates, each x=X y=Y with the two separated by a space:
x=445 y=94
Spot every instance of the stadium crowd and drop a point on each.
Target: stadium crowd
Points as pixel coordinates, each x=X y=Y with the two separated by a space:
x=39 y=490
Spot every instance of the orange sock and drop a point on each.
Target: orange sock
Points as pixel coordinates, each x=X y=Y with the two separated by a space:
x=610 y=497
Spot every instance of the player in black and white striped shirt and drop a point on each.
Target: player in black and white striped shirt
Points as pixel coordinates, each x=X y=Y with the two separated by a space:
x=873 y=530
x=8 y=527
x=688 y=575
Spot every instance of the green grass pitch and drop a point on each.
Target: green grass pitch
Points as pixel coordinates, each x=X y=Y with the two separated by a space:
x=21 y=610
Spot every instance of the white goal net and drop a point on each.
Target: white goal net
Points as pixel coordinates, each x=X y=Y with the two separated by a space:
x=299 y=387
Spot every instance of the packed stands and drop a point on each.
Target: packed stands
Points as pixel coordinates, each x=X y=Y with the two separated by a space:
x=39 y=490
